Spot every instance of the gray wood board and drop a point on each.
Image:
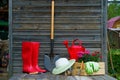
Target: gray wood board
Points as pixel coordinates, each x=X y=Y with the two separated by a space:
x=49 y=76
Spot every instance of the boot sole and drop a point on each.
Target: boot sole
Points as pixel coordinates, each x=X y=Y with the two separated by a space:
x=31 y=72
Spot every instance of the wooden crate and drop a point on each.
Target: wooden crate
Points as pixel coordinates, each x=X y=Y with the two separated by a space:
x=79 y=70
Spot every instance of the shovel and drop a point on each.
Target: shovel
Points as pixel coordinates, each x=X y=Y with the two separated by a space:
x=49 y=59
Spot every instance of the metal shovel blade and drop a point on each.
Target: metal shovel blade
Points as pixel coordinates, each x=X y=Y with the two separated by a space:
x=50 y=63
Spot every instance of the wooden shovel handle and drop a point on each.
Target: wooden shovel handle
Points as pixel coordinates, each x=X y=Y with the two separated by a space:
x=52 y=19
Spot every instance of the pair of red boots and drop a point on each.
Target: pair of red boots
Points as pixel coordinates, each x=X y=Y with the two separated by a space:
x=30 y=51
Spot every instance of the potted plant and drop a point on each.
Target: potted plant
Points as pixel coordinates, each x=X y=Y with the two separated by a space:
x=89 y=64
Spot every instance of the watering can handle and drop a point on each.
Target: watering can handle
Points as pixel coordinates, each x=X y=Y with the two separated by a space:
x=73 y=42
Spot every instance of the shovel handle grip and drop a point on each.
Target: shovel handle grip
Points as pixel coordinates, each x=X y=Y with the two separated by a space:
x=52 y=19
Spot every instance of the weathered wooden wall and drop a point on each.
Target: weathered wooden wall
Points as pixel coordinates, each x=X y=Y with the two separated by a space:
x=30 y=21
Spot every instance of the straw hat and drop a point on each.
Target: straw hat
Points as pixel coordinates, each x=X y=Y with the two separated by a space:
x=62 y=64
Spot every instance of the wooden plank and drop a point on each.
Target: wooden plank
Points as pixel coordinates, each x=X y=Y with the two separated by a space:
x=56 y=22
x=86 y=31
x=48 y=16
x=57 y=11
x=61 y=26
x=59 y=19
x=57 y=3
x=20 y=5
x=56 y=14
x=48 y=76
x=56 y=34
x=59 y=44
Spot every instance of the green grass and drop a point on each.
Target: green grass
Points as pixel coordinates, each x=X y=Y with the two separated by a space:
x=116 y=63
x=113 y=11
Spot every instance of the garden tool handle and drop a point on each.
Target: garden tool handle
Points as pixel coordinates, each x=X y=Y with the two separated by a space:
x=52 y=19
x=52 y=29
x=73 y=42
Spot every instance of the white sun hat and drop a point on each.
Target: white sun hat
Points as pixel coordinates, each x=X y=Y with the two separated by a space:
x=62 y=64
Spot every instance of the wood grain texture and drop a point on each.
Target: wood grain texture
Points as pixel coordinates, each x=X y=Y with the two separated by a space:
x=49 y=76
x=30 y=21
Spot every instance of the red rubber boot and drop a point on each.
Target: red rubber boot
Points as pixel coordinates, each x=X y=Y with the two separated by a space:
x=27 y=58
x=35 y=48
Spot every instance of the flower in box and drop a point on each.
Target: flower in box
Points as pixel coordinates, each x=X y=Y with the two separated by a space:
x=87 y=56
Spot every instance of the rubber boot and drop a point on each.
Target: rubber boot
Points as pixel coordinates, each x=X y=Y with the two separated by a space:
x=27 y=58
x=35 y=48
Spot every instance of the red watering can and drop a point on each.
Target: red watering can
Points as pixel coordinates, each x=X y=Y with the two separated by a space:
x=74 y=49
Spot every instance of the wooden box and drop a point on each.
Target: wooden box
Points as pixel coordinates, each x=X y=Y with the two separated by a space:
x=79 y=70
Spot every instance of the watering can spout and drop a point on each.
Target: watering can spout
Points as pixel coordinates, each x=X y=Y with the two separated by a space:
x=66 y=43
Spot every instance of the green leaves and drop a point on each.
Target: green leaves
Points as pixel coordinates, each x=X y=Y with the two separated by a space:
x=113 y=10
x=91 y=67
x=116 y=63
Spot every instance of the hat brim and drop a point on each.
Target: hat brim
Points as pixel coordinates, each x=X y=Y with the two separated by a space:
x=63 y=68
